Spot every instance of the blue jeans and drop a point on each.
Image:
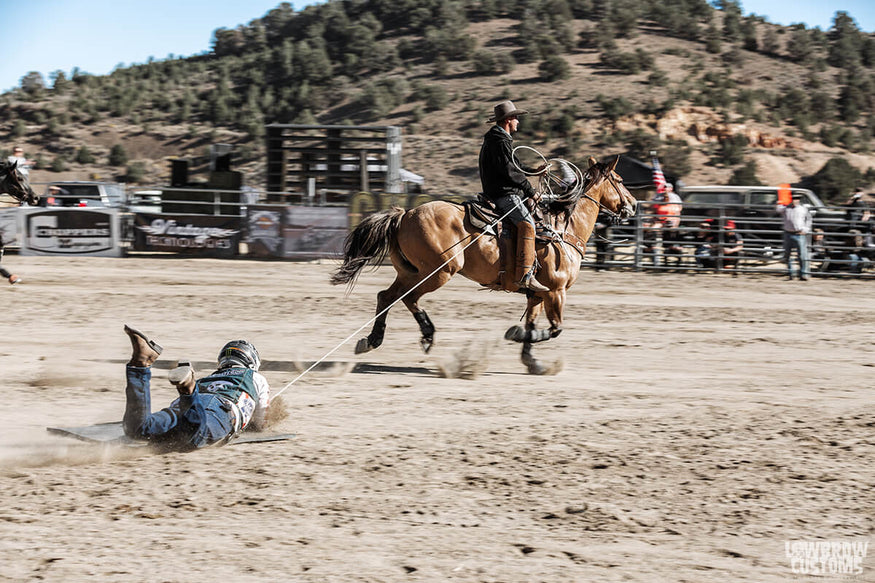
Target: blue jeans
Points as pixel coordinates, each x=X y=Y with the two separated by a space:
x=800 y=244
x=520 y=213
x=190 y=422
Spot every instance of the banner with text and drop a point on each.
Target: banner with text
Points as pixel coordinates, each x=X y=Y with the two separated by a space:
x=207 y=235
x=70 y=231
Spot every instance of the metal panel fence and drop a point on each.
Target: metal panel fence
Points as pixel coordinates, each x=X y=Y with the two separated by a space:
x=839 y=245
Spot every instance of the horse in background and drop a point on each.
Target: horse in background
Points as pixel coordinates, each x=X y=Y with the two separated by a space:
x=424 y=242
x=13 y=183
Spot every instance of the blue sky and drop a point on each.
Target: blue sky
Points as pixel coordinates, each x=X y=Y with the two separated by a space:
x=97 y=35
x=812 y=12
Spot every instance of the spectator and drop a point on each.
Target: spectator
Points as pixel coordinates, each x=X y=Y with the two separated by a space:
x=602 y=232
x=669 y=213
x=819 y=250
x=797 y=228
x=843 y=252
x=867 y=252
x=857 y=213
x=731 y=248
x=23 y=163
x=706 y=245
x=54 y=192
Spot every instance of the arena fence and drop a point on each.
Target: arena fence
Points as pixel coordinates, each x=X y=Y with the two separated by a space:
x=301 y=226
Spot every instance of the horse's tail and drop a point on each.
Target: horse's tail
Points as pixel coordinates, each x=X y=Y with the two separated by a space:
x=369 y=242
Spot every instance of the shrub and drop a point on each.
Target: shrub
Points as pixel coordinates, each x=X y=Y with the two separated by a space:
x=504 y=63
x=118 y=156
x=135 y=172
x=484 y=63
x=19 y=129
x=59 y=164
x=554 y=68
x=835 y=179
x=436 y=98
x=732 y=150
x=84 y=156
x=745 y=175
x=614 y=108
x=658 y=77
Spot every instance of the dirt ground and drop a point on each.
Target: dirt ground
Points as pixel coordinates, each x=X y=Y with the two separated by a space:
x=699 y=423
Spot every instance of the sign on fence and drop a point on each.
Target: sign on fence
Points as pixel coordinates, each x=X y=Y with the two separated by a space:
x=207 y=235
x=265 y=231
x=9 y=227
x=311 y=232
x=71 y=231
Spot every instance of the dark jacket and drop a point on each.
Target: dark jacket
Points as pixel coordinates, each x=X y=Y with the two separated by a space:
x=498 y=175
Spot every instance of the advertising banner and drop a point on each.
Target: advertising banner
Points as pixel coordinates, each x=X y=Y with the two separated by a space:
x=206 y=235
x=71 y=231
x=314 y=232
x=9 y=227
x=265 y=230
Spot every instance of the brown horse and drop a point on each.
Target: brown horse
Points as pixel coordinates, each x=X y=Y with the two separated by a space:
x=424 y=245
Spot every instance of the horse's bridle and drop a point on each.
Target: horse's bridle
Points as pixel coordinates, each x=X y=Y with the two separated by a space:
x=11 y=174
x=615 y=217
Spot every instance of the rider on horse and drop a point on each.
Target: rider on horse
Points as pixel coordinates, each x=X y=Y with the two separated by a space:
x=505 y=185
x=14 y=182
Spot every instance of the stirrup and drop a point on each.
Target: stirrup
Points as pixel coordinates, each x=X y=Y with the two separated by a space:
x=530 y=282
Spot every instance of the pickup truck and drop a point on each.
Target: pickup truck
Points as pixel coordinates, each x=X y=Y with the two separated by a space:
x=84 y=194
x=753 y=209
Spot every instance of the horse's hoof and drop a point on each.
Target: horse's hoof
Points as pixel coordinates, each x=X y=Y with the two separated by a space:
x=515 y=333
x=362 y=346
x=426 y=344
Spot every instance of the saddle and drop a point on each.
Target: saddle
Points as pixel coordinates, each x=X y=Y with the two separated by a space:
x=480 y=214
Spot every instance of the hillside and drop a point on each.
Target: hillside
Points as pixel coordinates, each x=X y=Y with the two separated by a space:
x=720 y=96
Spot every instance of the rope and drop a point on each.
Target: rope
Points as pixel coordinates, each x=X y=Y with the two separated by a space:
x=387 y=308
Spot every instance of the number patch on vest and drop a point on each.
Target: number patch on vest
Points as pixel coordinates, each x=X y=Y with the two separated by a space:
x=247 y=408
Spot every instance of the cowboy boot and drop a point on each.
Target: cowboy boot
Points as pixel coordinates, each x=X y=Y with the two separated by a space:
x=182 y=377
x=525 y=257
x=145 y=352
x=507 y=259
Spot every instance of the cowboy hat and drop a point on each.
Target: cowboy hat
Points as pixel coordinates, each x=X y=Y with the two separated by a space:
x=504 y=110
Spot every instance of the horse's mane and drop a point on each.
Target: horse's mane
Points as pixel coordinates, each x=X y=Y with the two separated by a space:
x=565 y=204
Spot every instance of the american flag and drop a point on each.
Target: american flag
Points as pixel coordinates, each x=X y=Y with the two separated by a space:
x=658 y=177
